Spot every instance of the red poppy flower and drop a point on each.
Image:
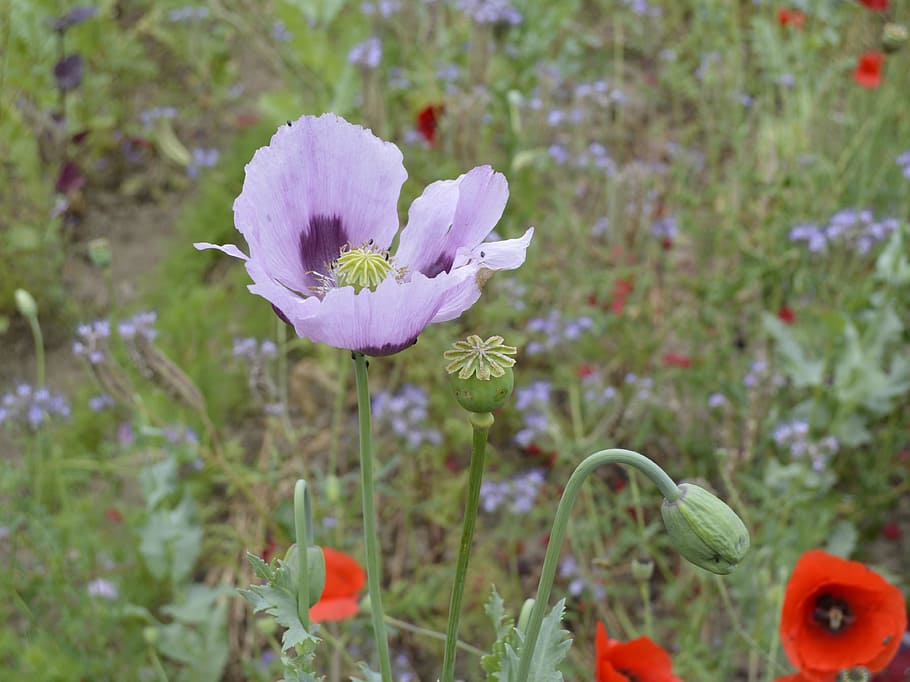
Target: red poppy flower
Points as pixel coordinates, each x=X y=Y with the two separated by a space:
x=877 y=5
x=677 y=360
x=786 y=315
x=428 y=121
x=640 y=660
x=791 y=17
x=837 y=615
x=344 y=578
x=868 y=72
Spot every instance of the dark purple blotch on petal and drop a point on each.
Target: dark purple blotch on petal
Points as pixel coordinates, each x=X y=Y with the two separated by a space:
x=321 y=242
x=443 y=263
x=75 y=17
x=387 y=349
x=68 y=72
x=281 y=315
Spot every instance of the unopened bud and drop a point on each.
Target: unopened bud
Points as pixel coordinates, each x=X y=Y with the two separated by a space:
x=642 y=569
x=150 y=635
x=481 y=372
x=26 y=304
x=332 y=489
x=705 y=530
x=315 y=564
x=99 y=252
x=525 y=615
x=893 y=37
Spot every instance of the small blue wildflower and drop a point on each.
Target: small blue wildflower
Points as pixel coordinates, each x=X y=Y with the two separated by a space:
x=491 y=11
x=717 y=400
x=405 y=413
x=366 y=54
x=202 y=158
x=141 y=325
x=32 y=407
x=99 y=402
x=517 y=494
x=280 y=33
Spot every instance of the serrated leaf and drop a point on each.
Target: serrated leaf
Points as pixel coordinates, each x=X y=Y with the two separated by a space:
x=278 y=598
x=553 y=644
x=801 y=370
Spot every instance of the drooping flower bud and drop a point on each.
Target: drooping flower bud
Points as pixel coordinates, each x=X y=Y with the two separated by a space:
x=642 y=569
x=705 y=530
x=315 y=567
x=481 y=372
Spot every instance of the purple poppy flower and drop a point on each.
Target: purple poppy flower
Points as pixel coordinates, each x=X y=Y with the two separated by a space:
x=319 y=209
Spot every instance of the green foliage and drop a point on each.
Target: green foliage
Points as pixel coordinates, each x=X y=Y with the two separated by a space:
x=278 y=598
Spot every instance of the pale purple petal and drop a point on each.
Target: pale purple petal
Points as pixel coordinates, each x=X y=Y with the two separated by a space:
x=320 y=184
x=229 y=249
x=379 y=322
x=506 y=254
x=450 y=215
x=472 y=269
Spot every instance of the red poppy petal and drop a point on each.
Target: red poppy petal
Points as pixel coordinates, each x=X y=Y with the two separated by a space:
x=333 y=609
x=343 y=575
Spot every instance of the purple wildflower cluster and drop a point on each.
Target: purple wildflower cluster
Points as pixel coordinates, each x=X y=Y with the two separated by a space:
x=100 y=402
x=516 y=494
x=760 y=374
x=491 y=11
x=32 y=406
x=384 y=8
x=189 y=13
x=280 y=32
x=91 y=340
x=141 y=325
x=533 y=402
x=794 y=436
x=578 y=583
x=405 y=413
x=202 y=158
x=852 y=228
x=256 y=355
x=149 y=116
x=597 y=392
x=904 y=162
x=103 y=589
x=367 y=53
x=644 y=9
x=552 y=331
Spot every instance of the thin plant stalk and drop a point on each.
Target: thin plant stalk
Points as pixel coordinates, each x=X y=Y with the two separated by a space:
x=303 y=536
x=370 y=537
x=668 y=489
x=39 y=348
x=481 y=423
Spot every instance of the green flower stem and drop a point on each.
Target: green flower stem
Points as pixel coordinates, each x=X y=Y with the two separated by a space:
x=481 y=423
x=39 y=348
x=370 y=537
x=668 y=489
x=303 y=532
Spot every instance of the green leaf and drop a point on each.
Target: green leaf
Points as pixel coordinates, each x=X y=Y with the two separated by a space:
x=801 y=370
x=278 y=598
x=553 y=644
x=170 y=542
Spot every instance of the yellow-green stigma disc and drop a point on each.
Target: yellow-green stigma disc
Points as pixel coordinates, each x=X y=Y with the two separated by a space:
x=362 y=268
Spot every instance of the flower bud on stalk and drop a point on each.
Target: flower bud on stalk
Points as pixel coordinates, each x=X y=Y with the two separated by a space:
x=893 y=37
x=315 y=568
x=484 y=379
x=26 y=304
x=705 y=530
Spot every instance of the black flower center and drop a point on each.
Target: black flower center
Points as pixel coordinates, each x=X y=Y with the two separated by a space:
x=832 y=613
x=632 y=677
x=320 y=243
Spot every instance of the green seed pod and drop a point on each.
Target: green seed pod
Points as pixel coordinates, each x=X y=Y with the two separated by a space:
x=705 y=530
x=481 y=372
x=479 y=395
x=525 y=615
